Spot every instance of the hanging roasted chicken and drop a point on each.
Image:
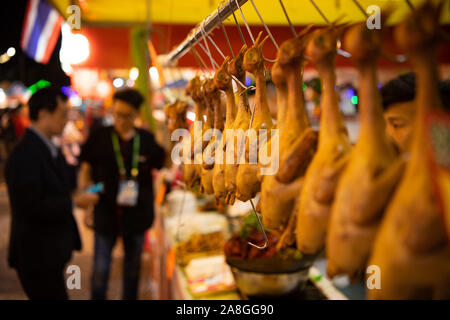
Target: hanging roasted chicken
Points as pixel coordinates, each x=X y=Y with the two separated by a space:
x=176 y=115
x=222 y=80
x=215 y=115
x=411 y=249
x=277 y=199
x=322 y=175
x=248 y=183
x=240 y=126
x=373 y=169
x=191 y=174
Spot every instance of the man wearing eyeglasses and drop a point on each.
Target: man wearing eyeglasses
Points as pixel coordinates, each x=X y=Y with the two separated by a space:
x=122 y=158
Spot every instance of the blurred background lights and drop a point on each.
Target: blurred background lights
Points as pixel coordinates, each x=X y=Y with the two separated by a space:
x=134 y=73
x=118 y=82
x=74 y=47
x=153 y=71
x=11 y=52
x=2 y=97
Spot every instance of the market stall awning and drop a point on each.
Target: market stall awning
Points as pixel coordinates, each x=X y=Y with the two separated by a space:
x=301 y=12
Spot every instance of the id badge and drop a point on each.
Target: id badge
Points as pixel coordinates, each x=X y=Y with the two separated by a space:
x=128 y=193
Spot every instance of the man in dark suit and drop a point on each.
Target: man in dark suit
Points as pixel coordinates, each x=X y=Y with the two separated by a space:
x=43 y=230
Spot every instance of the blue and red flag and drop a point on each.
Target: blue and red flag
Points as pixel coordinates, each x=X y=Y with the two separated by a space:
x=41 y=29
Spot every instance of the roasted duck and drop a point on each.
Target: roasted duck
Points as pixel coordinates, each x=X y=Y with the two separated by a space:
x=212 y=95
x=191 y=174
x=247 y=179
x=222 y=80
x=240 y=126
x=176 y=115
x=324 y=171
x=410 y=248
x=372 y=171
x=277 y=199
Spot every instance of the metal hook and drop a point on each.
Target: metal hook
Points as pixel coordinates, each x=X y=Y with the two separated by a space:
x=320 y=12
x=213 y=62
x=287 y=18
x=238 y=81
x=206 y=44
x=269 y=33
x=239 y=28
x=225 y=32
x=266 y=240
x=217 y=48
x=265 y=25
x=247 y=89
x=198 y=59
x=245 y=22
x=360 y=8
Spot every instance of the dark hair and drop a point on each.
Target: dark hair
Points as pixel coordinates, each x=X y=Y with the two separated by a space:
x=403 y=89
x=45 y=99
x=131 y=96
x=398 y=90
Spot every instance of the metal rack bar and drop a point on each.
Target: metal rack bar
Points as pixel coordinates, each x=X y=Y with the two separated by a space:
x=196 y=34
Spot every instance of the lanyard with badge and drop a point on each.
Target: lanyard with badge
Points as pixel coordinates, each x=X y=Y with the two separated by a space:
x=128 y=188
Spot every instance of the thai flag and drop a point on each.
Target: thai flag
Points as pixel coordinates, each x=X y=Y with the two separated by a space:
x=41 y=29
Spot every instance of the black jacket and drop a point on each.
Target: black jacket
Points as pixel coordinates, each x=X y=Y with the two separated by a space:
x=98 y=151
x=43 y=230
